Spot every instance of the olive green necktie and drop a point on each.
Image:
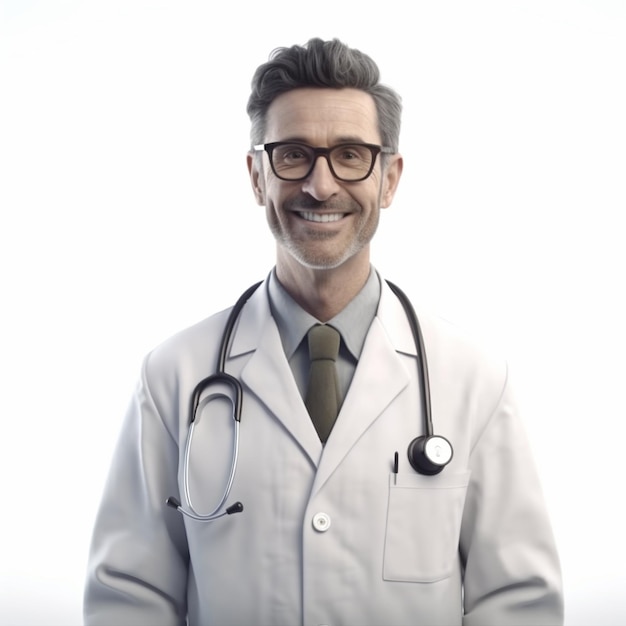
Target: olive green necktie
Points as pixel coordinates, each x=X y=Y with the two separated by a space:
x=322 y=396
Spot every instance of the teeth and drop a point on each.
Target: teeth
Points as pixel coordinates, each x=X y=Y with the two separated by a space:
x=311 y=216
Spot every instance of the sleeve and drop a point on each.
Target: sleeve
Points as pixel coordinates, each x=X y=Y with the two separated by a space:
x=512 y=571
x=138 y=561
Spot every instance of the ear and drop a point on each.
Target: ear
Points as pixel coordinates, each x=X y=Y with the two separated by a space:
x=256 y=177
x=391 y=179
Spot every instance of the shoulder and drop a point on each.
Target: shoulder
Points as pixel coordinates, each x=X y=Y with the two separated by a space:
x=454 y=340
x=456 y=356
x=195 y=349
x=187 y=351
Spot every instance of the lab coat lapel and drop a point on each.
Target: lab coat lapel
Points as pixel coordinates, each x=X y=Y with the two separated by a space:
x=267 y=373
x=379 y=377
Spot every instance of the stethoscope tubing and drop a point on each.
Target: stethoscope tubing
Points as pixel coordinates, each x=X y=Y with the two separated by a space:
x=233 y=465
x=411 y=316
x=221 y=377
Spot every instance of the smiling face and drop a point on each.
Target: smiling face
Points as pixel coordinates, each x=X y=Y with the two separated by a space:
x=320 y=222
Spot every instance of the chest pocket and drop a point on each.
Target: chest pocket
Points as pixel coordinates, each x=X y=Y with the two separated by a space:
x=423 y=526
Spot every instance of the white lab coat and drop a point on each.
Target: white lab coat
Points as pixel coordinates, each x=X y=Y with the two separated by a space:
x=470 y=546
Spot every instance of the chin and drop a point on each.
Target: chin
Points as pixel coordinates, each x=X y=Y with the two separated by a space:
x=319 y=262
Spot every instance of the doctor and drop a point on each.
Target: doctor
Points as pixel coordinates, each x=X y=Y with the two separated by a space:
x=336 y=528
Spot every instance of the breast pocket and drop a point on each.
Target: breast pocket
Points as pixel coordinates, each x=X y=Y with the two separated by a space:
x=423 y=526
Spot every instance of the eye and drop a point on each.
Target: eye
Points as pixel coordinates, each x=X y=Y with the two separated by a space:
x=353 y=155
x=293 y=154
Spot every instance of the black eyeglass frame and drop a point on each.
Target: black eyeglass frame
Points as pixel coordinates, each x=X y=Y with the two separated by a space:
x=375 y=150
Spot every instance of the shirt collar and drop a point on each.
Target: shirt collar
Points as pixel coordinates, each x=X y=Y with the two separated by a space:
x=353 y=322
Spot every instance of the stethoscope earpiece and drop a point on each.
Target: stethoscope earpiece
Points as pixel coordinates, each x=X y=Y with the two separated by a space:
x=429 y=454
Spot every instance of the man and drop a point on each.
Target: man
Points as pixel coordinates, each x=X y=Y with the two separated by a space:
x=341 y=523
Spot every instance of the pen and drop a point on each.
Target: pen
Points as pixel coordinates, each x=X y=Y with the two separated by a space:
x=395 y=467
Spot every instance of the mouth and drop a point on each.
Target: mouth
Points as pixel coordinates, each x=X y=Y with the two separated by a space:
x=313 y=216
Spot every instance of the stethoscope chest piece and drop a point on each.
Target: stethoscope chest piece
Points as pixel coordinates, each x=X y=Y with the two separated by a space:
x=429 y=454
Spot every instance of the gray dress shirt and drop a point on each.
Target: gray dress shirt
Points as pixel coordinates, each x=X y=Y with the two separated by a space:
x=353 y=323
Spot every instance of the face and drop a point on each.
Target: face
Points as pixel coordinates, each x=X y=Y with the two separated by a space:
x=321 y=222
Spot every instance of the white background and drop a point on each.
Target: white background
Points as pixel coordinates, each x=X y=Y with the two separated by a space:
x=126 y=214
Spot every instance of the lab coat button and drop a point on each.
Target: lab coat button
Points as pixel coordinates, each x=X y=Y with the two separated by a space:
x=321 y=522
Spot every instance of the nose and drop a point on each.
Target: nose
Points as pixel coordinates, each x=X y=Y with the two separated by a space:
x=320 y=183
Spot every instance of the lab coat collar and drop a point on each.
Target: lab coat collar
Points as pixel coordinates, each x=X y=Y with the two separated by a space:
x=255 y=316
x=394 y=319
x=373 y=388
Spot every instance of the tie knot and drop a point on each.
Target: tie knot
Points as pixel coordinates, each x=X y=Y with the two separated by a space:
x=323 y=342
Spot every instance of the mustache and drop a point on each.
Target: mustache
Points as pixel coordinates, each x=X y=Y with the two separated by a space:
x=305 y=202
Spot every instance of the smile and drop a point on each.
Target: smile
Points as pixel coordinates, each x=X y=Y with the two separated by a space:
x=312 y=216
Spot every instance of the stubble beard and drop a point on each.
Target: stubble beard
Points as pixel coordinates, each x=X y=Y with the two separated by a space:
x=314 y=258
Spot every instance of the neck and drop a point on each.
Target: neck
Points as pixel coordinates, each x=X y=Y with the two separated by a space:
x=323 y=293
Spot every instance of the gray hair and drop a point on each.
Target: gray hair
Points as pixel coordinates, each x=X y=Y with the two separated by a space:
x=330 y=64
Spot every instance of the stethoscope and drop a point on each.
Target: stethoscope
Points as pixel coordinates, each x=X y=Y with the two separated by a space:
x=428 y=454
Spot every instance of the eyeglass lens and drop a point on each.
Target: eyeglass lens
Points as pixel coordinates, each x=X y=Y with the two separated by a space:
x=347 y=162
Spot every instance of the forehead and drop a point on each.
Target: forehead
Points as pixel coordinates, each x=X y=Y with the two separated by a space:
x=323 y=116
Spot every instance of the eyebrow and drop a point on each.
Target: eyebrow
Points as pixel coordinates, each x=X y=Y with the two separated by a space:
x=339 y=141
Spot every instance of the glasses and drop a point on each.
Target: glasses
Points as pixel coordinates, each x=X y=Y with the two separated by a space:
x=349 y=162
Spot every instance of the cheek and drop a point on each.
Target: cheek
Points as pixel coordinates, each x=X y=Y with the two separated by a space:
x=277 y=193
x=371 y=199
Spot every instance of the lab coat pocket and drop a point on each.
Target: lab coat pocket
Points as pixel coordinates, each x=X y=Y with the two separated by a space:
x=423 y=526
